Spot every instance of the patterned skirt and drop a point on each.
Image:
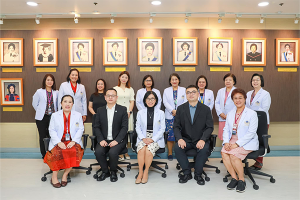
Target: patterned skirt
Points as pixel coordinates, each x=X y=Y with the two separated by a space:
x=239 y=152
x=153 y=147
x=169 y=128
x=58 y=158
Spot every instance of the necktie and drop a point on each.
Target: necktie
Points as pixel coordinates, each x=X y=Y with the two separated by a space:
x=115 y=53
x=80 y=53
x=184 y=53
x=285 y=53
x=220 y=54
x=148 y=59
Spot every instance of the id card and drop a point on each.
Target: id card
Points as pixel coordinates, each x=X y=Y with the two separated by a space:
x=234 y=129
x=68 y=137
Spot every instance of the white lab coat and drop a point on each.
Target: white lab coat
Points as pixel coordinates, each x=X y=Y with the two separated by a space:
x=56 y=128
x=209 y=99
x=40 y=102
x=246 y=131
x=169 y=102
x=140 y=96
x=219 y=103
x=158 y=126
x=261 y=101
x=79 y=98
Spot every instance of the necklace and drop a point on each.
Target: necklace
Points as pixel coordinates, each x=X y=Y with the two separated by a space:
x=150 y=115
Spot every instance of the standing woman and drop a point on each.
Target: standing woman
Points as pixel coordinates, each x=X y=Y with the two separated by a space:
x=76 y=90
x=206 y=96
x=126 y=98
x=258 y=100
x=224 y=103
x=173 y=97
x=148 y=85
x=44 y=102
x=65 y=146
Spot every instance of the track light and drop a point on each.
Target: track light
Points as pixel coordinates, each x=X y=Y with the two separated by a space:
x=220 y=17
x=187 y=15
x=261 y=20
x=112 y=20
x=151 y=20
x=151 y=17
x=37 y=19
x=296 y=20
x=1 y=21
x=219 y=20
x=237 y=18
x=76 y=20
x=186 y=20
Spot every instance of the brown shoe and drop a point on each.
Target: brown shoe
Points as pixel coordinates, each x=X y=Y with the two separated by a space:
x=138 y=181
x=144 y=181
x=56 y=185
x=64 y=183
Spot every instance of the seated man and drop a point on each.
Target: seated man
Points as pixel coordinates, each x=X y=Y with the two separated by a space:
x=111 y=126
x=193 y=126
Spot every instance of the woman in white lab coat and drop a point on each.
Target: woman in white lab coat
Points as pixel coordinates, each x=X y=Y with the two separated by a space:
x=76 y=90
x=44 y=102
x=206 y=96
x=173 y=97
x=224 y=103
x=258 y=100
x=148 y=85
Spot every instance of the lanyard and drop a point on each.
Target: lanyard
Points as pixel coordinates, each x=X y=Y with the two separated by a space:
x=237 y=118
x=252 y=97
x=202 y=98
x=226 y=96
x=49 y=98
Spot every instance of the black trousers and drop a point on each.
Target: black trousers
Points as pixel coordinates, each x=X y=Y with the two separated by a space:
x=113 y=154
x=43 y=126
x=200 y=159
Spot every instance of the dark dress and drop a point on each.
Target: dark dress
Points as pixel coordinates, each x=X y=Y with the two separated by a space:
x=98 y=102
x=50 y=58
x=253 y=56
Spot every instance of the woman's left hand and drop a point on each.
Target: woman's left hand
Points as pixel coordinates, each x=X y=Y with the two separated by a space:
x=233 y=146
x=128 y=114
x=71 y=144
x=83 y=118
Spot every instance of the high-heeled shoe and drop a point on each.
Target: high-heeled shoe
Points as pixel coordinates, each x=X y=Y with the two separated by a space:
x=144 y=181
x=138 y=181
x=56 y=185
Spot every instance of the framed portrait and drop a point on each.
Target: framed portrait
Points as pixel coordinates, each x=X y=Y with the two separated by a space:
x=80 y=51
x=11 y=52
x=254 y=52
x=185 y=51
x=114 y=51
x=11 y=91
x=287 y=51
x=150 y=51
x=45 y=52
x=220 y=51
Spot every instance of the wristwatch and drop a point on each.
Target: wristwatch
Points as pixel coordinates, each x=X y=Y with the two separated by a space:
x=130 y=112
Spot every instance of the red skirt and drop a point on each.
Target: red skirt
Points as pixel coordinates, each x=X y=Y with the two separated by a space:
x=58 y=158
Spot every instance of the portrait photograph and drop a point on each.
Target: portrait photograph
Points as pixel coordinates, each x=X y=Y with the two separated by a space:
x=287 y=51
x=150 y=51
x=254 y=52
x=45 y=51
x=185 y=51
x=114 y=51
x=11 y=52
x=220 y=51
x=12 y=91
x=80 y=51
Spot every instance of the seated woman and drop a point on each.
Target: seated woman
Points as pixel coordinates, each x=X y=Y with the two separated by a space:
x=150 y=128
x=239 y=139
x=65 y=146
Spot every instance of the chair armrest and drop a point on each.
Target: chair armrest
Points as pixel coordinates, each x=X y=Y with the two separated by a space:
x=46 y=143
x=93 y=141
x=213 y=141
x=85 y=137
x=266 y=143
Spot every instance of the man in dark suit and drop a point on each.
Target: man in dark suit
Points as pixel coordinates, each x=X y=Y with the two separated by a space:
x=111 y=126
x=193 y=126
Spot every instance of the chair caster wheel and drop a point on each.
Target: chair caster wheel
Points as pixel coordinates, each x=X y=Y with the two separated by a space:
x=164 y=175
x=178 y=167
x=166 y=167
x=218 y=171
x=128 y=169
x=225 y=180
x=122 y=175
x=95 y=176
x=272 y=180
x=44 y=179
x=69 y=180
x=88 y=172
x=255 y=187
x=207 y=179
x=90 y=169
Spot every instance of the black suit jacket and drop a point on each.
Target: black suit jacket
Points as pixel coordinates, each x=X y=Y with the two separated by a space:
x=119 y=126
x=200 y=129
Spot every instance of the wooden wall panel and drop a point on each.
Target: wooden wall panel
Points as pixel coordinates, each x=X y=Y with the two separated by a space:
x=283 y=87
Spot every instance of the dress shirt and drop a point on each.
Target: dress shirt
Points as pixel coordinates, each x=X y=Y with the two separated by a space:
x=192 y=111
x=110 y=118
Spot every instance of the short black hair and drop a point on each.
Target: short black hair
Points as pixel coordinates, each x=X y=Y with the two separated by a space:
x=253 y=45
x=287 y=45
x=219 y=44
x=202 y=76
x=150 y=44
x=80 y=44
x=145 y=77
x=13 y=45
x=115 y=43
x=8 y=87
x=146 y=96
x=174 y=74
x=192 y=86
x=185 y=43
x=111 y=89
x=67 y=95
x=262 y=82
x=230 y=75
x=68 y=77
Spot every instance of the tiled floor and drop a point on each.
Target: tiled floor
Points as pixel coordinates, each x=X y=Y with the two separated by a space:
x=21 y=179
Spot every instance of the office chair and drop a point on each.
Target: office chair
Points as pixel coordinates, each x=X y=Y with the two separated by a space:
x=154 y=164
x=262 y=132
x=46 y=143
x=193 y=153
x=124 y=151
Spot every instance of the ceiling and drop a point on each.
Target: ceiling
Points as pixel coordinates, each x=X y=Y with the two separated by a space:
x=18 y=9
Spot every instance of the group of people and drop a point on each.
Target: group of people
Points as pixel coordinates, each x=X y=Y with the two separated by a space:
x=187 y=119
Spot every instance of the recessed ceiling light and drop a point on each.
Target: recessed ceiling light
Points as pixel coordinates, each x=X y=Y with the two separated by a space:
x=263 y=4
x=32 y=3
x=156 y=3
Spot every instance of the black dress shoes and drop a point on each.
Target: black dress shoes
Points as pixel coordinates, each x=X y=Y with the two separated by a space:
x=200 y=180
x=185 y=177
x=103 y=176
x=113 y=177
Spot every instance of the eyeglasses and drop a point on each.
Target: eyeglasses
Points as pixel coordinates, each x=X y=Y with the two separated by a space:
x=255 y=80
x=150 y=99
x=148 y=80
x=111 y=96
x=193 y=92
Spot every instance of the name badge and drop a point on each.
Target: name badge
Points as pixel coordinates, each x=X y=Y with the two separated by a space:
x=257 y=103
x=234 y=129
x=246 y=123
x=67 y=137
x=77 y=124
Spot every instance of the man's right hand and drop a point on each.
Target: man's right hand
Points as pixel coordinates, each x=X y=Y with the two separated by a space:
x=181 y=143
x=103 y=143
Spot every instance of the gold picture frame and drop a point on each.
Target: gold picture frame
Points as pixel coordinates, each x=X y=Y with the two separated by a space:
x=150 y=51
x=254 y=52
x=9 y=97
x=11 y=52
x=45 y=52
x=81 y=51
x=185 y=50
x=220 y=51
x=287 y=52
x=115 y=51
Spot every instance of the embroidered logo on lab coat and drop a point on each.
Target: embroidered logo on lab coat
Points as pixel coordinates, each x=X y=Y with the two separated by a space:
x=182 y=96
x=247 y=123
x=257 y=103
x=77 y=124
x=158 y=121
x=81 y=93
x=209 y=100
